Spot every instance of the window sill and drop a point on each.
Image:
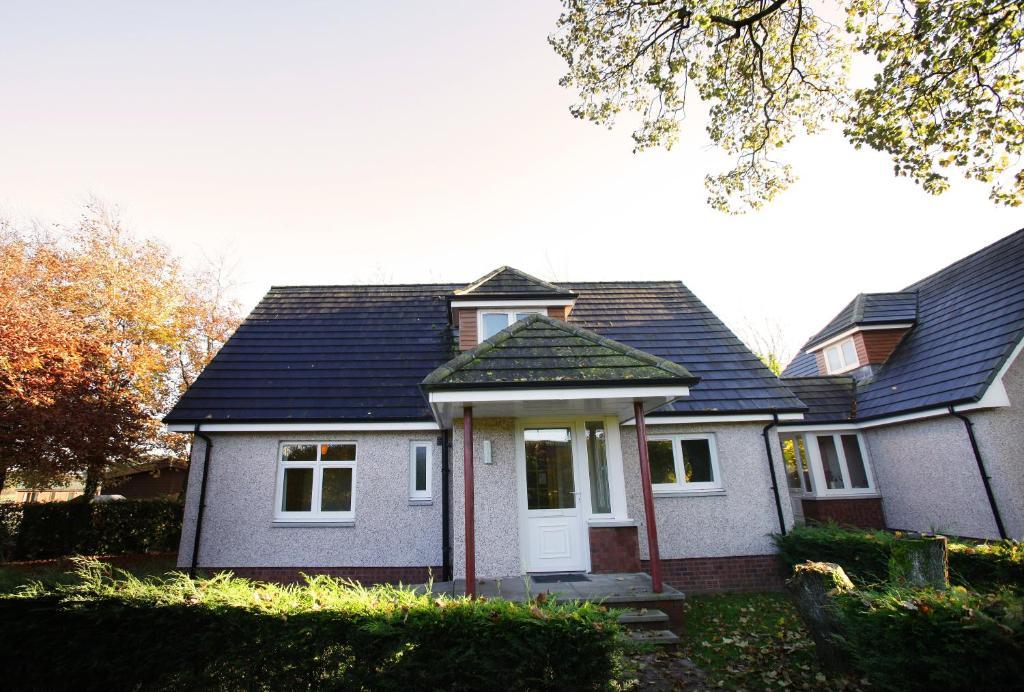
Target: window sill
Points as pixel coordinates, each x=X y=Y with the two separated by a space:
x=600 y=522
x=420 y=501
x=689 y=493
x=313 y=524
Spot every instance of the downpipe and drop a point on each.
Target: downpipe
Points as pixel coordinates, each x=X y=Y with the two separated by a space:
x=202 y=501
x=771 y=471
x=985 y=478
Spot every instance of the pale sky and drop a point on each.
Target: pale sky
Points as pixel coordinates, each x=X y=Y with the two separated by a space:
x=343 y=142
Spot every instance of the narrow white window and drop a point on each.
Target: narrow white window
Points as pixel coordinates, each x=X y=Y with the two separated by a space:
x=841 y=357
x=316 y=481
x=683 y=463
x=420 y=471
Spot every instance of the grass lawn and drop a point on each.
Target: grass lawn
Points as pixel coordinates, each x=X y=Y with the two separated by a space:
x=752 y=641
x=14 y=575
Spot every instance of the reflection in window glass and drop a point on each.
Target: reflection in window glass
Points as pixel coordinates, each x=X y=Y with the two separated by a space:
x=597 y=459
x=344 y=452
x=549 y=476
x=697 y=461
x=336 y=490
x=299 y=453
x=494 y=322
x=854 y=462
x=298 y=489
x=830 y=462
x=663 y=467
x=801 y=449
x=789 y=456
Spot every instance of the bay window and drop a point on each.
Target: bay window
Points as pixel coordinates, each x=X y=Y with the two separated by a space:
x=826 y=463
x=316 y=481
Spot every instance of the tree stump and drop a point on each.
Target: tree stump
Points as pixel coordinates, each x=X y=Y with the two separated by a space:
x=920 y=561
x=813 y=586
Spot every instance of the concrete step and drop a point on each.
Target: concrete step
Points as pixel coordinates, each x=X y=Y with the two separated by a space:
x=655 y=637
x=644 y=618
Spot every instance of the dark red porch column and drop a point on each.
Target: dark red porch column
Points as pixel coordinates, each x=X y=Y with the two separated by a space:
x=645 y=479
x=467 y=477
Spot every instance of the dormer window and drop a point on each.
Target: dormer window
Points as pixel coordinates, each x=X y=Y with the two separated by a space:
x=841 y=357
x=493 y=321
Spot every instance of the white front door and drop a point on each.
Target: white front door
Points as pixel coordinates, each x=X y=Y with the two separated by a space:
x=554 y=518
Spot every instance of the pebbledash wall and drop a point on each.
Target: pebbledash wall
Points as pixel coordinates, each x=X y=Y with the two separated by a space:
x=391 y=539
x=928 y=476
x=719 y=541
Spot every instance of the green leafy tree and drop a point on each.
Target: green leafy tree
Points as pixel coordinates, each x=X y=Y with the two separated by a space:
x=948 y=95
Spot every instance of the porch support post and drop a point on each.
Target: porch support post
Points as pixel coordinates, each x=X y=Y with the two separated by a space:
x=467 y=457
x=645 y=480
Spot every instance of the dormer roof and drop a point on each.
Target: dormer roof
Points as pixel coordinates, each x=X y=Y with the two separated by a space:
x=510 y=283
x=874 y=310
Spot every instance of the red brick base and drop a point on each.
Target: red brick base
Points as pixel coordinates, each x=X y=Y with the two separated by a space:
x=862 y=512
x=723 y=574
x=364 y=575
x=614 y=549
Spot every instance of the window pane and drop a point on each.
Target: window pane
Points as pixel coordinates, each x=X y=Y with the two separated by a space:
x=854 y=462
x=663 y=467
x=832 y=355
x=830 y=462
x=849 y=352
x=298 y=452
x=298 y=489
x=697 y=461
x=421 y=468
x=336 y=491
x=345 y=452
x=523 y=315
x=789 y=455
x=494 y=322
x=549 y=478
x=801 y=449
x=600 y=496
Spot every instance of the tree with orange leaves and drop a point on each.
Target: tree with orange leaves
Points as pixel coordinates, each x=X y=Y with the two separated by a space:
x=99 y=333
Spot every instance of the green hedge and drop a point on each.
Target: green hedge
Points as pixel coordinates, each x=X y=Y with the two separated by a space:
x=864 y=556
x=55 y=529
x=233 y=634
x=906 y=640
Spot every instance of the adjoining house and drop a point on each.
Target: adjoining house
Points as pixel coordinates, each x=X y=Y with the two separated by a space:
x=335 y=429
x=162 y=478
x=916 y=404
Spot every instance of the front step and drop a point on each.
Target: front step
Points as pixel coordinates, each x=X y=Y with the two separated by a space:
x=644 y=619
x=655 y=637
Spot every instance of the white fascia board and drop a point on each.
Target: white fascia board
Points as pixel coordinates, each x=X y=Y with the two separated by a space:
x=554 y=302
x=302 y=427
x=858 y=328
x=723 y=418
x=554 y=394
x=995 y=396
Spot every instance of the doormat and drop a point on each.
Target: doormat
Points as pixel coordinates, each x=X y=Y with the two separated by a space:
x=555 y=578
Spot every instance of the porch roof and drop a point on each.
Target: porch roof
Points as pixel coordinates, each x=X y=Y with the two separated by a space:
x=540 y=365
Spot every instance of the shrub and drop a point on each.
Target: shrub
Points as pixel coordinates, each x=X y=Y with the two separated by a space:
x=228 y=633
x=10 y=519
x=956 y=639
x=55 y=529
x=864 y=556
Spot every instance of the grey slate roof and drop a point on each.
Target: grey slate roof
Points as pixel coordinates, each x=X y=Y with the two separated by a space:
x=970 y=317
x=870 y=309
x=510 y=282
x=828 y=398
x=359 y=353
x=541 y=351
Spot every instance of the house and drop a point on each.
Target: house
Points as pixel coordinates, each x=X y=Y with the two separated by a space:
x=57 y=493
x=486 y=430
x=153 y=479
x=916 y=405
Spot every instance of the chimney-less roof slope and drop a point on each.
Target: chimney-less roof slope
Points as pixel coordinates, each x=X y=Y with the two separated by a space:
x=870 y=309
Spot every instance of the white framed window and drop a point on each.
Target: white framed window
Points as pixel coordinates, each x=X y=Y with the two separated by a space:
x=420 y=467
x=682 y=463
x=798 y=463
x=841 y=357
x=841 y=464
x=316 y=481
x=493 y=320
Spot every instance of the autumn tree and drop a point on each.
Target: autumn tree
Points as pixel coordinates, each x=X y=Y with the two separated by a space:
x=947 y=94
x=99 y=333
